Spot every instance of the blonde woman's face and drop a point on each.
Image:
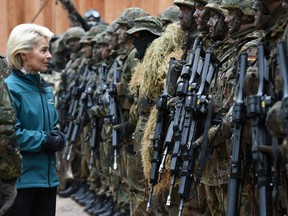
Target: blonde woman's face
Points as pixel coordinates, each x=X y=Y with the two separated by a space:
x=39 y=58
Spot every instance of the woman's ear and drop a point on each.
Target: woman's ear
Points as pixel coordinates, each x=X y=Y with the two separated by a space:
x=23 y=56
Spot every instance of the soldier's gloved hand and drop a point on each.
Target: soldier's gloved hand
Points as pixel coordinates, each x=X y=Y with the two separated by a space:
x=197 y=143
x=55 y=141
x=178 y=65
x=97 y=110
x=275 y=120
x=91 y=112
x=8 y=192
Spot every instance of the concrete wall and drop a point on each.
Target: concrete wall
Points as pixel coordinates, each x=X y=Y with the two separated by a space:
x=51 y=14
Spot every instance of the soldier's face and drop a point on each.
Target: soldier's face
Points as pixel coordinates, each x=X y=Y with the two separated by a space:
x=114 y=42
x=103 y=50
x=201 y=16
x=87 y=49
x=96 y=56
x=122 y=35
x=212 y=23
x=232 y=20
x=74 y=45
x=185 y=17
x=38 y=59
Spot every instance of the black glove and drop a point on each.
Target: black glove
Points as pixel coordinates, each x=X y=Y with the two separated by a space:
x=55 y=141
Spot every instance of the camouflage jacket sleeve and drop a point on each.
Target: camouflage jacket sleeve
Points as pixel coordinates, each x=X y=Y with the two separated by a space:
x=10 y=159
x=75 y=18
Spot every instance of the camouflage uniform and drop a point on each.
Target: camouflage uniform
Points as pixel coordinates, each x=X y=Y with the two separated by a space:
x=146 y=87
x=275 y=119
x=134 y=171
x=69 y=74
x=124 y=98
x=10 y=163
x=216 y=171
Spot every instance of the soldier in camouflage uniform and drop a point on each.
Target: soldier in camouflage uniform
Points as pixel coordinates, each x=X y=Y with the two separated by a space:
x=127 y=62
x=10 y=162
x=197 y=205
x=68 y=78
x=91 y=17
x=84 y=194
x=170 y=15
x=146 y=85
x=272 y=18
x=145 y=29
x=240 y=20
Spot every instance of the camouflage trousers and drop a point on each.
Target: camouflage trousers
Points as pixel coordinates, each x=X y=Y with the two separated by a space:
x=119 y=183
x=105 y=159
x=135 y=175
x=196 y=206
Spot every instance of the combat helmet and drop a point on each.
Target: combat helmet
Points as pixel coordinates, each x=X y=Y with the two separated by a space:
x=103 y=38
x=131 y=14
x=170 y=14
x=74 y=32
x=148 y=23
x=93 y=32
x=189 y=3
x=112 y=28
x=246 y=6
x=216 y=5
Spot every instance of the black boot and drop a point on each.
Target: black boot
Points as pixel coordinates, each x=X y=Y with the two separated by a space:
x=97 y=204
x=80 y=192
x=90 y=196
x=108 y=206
x=69 y=191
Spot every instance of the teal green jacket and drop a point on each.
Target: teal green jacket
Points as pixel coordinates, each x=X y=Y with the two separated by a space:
x=34 y=104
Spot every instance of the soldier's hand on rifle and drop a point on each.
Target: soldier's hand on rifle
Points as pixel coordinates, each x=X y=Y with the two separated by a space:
x=8 y=192
x=97 y=111
x=177 y=66
x=275 y=120
x=55 y=141
x=197 y=142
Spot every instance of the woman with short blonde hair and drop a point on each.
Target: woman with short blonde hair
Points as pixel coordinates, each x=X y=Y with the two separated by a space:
x=36 y=120
x=22 y=39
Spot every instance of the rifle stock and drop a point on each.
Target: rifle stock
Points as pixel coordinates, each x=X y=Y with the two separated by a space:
x=158 y=140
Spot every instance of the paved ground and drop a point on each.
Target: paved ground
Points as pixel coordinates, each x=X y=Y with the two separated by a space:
x=68 y=207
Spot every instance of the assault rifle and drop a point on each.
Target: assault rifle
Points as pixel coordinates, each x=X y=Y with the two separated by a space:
x=257 y=107
x=76 y=91
x=160 y=130
x=62 y=103
x=282 y=59
x=78 y=123
x=94 y=139
x=199 y=115
x=238 y=118
x=73 y=106
x=188 y=72
x=113 y=112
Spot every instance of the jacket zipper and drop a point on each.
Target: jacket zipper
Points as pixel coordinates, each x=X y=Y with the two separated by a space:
x=43 y=110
